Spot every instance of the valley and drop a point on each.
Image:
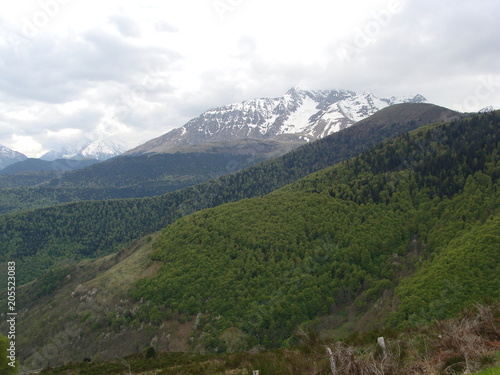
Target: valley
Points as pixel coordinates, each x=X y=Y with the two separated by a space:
x=390 y=224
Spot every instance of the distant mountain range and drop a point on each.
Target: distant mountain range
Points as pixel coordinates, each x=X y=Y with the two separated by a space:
x=357 y=247
x=94 y=150
x=98 y=150
x=298 y=115
x=154 y=174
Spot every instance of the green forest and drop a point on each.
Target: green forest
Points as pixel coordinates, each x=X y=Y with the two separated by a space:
x=254 y=270
x=118 y=178
x=42 y=238
x=288 y=255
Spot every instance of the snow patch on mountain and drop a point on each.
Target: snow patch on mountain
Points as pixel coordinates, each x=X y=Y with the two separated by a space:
x=295 y=122
x=99 y=150
x=303 y=114
x=102 y=150
x=489 y=108
x=9 y=157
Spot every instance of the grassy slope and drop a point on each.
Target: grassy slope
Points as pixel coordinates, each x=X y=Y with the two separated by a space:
x=427 y=351
x=87 y=299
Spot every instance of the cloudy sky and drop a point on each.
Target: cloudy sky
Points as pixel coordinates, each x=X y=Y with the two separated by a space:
x=131 y=70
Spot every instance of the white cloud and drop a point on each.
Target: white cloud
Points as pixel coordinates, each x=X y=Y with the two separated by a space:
x=26 y=145
x=65 y=133
x=134 y=70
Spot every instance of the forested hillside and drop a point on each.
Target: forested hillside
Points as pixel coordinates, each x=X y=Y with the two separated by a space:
x=252 y=271
x=378 y=232
x=25 y=179
x=121 y=178
x=40 y=238
x=131 y=176
x=45 y=165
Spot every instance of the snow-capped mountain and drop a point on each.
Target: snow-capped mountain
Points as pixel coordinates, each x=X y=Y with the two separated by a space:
x=99 y=150
x=489 y=108
x=9 y=157
x=300 y=114
x=102 y=150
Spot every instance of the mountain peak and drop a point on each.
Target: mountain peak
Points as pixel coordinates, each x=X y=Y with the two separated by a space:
x=418 y=99
x=489 y=108
x=303 y=115
x=102 y=150
x=98 y=149
x=9 y=157
x=293 y=90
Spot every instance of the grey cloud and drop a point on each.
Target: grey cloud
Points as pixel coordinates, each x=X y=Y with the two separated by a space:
x=36 y=72
x=57 y=70
x=109 y=58
x=84 y=120
x=434 y=48
x=437 y=49
x=461 y=33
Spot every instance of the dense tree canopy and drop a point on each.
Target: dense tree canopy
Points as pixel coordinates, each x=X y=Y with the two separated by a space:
x=41 y=238
x=262 y=266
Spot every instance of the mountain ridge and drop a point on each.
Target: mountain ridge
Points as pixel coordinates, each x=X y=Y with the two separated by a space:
x=303 y=115
x=97 y=149
x=9 y=157
x=25 y=241
x=279 y=261
x=37 y=165
x=340 y=235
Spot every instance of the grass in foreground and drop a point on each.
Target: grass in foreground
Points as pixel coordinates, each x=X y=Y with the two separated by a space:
x=462 y=345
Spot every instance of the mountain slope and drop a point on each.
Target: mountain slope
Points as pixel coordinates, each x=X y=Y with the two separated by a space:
x=120 y=178
x=131 y=177
x=338 y=236
x=299 y=114
x=423 y=205
x=26 y=179
x=8 y=157
x=43 y=165
x=41 y=238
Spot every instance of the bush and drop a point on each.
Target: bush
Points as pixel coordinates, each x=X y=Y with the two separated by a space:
x=150 y=353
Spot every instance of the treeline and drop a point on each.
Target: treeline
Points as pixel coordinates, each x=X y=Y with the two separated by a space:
x=258 y=268
x=40 y=238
